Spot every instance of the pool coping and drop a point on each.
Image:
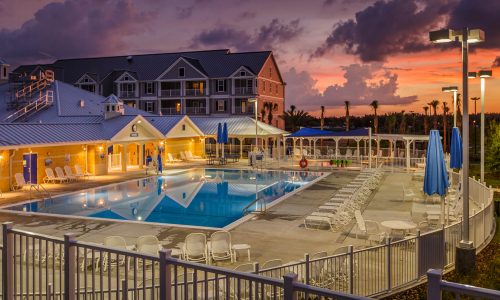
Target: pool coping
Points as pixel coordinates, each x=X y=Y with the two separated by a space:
x=230 y=226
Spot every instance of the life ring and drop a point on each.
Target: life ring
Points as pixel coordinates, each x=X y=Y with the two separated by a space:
x=303 y=163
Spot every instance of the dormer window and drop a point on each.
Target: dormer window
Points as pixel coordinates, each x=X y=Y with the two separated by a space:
x=126 y=78
x=243 y=73
x=181 y=72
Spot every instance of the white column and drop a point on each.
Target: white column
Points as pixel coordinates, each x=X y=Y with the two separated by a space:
x=232 y=106
x=482 y=129
x=183 y=106
x=124 y=157
x=357 y=148
x=370 y=147
x=241 y=147
x=207 y=106
x=278 y=147
x=207 y=87
x=336 y=148
x=141 y=156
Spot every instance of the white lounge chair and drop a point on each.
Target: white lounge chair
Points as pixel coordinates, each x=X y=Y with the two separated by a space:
x=60 y=174
x=80 y=173
x=114 y=242
x=69 y=173
x=51 y=178
x=220 y=246
x=171 y=158
x=20 y=182
x=190 y=155
x=182 y=155
x=195 y=248
x=148 y=244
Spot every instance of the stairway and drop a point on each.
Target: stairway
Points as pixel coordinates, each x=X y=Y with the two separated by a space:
x=45 y=100
x=45 y=80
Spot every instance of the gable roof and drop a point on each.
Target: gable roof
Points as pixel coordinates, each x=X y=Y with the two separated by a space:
x=236 y=126
x=214 y=63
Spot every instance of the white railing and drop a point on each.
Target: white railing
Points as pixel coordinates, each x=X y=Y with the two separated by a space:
x=126 y=94
x=44 y=101
x=170 y=92
x=195 y=92
x=170 y=111
x=196 y=110
x=243 y=91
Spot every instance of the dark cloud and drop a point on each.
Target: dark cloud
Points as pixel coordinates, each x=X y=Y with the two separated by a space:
x=329 y=2
x=363 y=84
x=266 y=37
x=247 y=15
x=387 y=27
x=184 y=12
x=73 y=28
x=478 y=14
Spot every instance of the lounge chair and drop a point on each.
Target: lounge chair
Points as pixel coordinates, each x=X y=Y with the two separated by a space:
x=182 y=155
x=190 y=155
x=248 y=267
x=369 y=229
x=114 y=242
x=20 y=182
x=60 y=174
x=220 y=246
x=51 y=178
x=408 y=194
x=195 y=248
x=319 y=270
x=69 y=173
x=80 y=173
x=171 y=158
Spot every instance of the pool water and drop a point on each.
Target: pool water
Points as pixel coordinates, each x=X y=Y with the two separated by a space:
x=195 y=197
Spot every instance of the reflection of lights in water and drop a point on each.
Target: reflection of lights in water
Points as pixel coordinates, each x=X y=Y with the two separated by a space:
x=192 y=178
x=82 y=194
x=208 y=176
x=84 y=205
x=100 y=202
x=139 y=218
x=252 y=178
x=24 y=208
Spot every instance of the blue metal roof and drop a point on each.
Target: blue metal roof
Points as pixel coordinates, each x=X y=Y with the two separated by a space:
x=313 y=132
x=242 y=126
x=164 y=123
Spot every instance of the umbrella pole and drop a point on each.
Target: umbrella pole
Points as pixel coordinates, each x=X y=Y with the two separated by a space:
x=442 y=209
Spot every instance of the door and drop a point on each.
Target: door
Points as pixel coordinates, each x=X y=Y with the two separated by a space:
x=30 y=170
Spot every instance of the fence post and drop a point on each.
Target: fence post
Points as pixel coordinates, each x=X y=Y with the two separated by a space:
x=8 y=264
x=434 y=284
x=388 y=259
x=49 y=292
x=124 y=290
x=288 y=288
x=308 y=269
x=351 y=269
x=417 y=253
x=443 y=228
x=165 y=274
x=70 y=266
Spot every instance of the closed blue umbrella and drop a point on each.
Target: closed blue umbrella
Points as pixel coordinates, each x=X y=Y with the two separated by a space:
x=456 y=149
x=436 y=176
x=220 y=138
x=225 y=135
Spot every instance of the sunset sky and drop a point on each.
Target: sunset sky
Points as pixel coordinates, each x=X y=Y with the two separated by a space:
x=328 y=51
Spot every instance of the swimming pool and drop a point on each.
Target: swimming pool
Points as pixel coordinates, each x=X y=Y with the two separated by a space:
x=202 y=197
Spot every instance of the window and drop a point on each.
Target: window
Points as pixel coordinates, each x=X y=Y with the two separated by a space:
x=243 y=106
x=221 y=105
x=150 y=106
x=112 y=108
x=88 y=87
x=149 y=88
x=126 y=78
x=4 y=72
x=107 y=107
x=221 y=85
x=270 y=72
x=243 y=73
x=181 y=72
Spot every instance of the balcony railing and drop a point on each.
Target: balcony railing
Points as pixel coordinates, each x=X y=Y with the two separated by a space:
x=243 y=91
x=170 y=111
x=170 y=93
x=195 y=92
x=196 y=110
x=126 y=94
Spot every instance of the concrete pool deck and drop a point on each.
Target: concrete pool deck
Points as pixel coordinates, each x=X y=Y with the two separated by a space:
x=277 y=234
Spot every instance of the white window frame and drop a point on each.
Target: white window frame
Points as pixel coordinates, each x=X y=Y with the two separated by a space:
x=149 y=106
x=221 y=85
x=183 y=72
x=221 y=105
x=150 y=88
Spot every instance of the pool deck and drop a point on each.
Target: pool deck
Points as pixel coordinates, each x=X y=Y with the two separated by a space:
x=277 y=234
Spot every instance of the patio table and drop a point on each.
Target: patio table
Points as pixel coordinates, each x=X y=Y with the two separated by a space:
x=401 y=227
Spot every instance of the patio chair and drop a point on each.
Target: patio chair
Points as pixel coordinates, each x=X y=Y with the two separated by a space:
x=195 y=248
x=20 y=183
x=318 y=222
x=69 y=173
x=60 y=174
x=248 y=267
x=80 y=173
x=190 y=155
x=274 y=268
x=148 y=244
x=369 y=229
x=319 y=271
x=114 y=242
x=171 y=158
x=408 y=194
x=182 y=155
x=51 y=178
x=220 y=246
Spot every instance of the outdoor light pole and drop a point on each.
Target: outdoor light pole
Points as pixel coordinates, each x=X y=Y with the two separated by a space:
x=466 y=253
x=483 y=74
x=453 y=89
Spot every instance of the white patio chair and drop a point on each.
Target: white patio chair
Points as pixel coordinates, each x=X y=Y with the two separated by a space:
x=50 y=177
x=408 y=194
x=195 y=248
x=19 y=183
x=220 y=246
x=273 y=265
x=80 y=173
x=114 y=242
x=182 y=155
x=171 y=158
x=69 y=173
x=190 y=155
x=148 y=244
x=60 y=174
x=369 y=229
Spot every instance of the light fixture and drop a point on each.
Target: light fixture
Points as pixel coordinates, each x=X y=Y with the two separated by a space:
x=471 y=75
x=485 y=73
x=100 y=148
x=449 y=35
x=449 y=89
x=161 y=143
x=441 y=36
x=139 y=122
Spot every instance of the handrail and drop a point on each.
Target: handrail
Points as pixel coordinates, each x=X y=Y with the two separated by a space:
x=40 y=103
x=257 y=200
x=46 y=78
x=43 y=193
x=436 y=284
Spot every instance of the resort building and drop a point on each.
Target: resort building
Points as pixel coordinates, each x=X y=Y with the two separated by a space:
x=214 y=83
x=67 y=126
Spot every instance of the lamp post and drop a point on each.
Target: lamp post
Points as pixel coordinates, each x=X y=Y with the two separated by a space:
x=465 y=252
x=254 y=100
x=483 y=74
x=454 y=89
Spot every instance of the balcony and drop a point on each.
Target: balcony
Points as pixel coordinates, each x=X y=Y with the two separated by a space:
x=243 y=91
x=196 y=110
x=170 y=93
x=195 y=92
x=126 y=94
x=168 y=111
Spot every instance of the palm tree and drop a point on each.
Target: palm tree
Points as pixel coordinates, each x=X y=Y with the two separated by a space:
x=263 y=112
x=374 y=106
x=294 y=118
x=347 y=104
x=459 y=111
x=322 y=120
x=434 y=104
x=426 y=121
x=271 y=107
x=446 y=109
x=391 y=122
x=402 y=125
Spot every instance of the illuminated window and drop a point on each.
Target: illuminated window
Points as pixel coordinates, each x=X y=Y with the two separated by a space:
x=177 y=107
x=221 y=105
x=243 y=106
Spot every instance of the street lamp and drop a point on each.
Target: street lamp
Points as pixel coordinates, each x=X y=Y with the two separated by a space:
x=466 y=253
x=454 y=89
x=254 y=100
x=483 y=74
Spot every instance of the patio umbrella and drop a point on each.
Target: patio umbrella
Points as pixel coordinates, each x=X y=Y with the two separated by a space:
x=219 y=134
x=225 y=137
x=436 y=176
x=160 y=165
x=456 y=149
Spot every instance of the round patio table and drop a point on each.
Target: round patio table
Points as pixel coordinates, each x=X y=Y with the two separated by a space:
x=399 y=228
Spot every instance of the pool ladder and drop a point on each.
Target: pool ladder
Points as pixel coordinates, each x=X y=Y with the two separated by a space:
x=41 y=191
x=260 y=206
